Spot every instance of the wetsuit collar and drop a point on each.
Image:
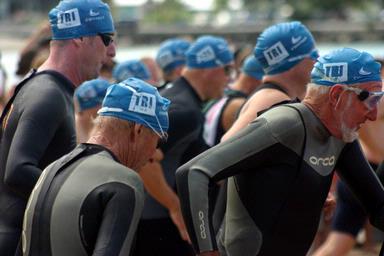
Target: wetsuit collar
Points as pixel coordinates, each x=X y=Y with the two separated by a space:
x=68 y=84
x=98 y=147
x=312 y=118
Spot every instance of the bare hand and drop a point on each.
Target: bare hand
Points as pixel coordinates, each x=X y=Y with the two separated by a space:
x=329 y=207
x=177 y=219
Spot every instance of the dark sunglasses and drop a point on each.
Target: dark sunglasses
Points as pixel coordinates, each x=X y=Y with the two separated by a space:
x=371 y=99
x=229 y=70
x=106 y=38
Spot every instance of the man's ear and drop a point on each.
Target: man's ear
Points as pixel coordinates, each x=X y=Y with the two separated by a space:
x=335 y=93
x=78 y=41
x=135 y=132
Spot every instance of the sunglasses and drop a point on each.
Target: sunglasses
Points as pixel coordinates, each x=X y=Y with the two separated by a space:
x=370 y=99
x=106 y=38
x=229 y=71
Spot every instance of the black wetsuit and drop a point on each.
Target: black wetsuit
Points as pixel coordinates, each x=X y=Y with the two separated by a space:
x=156 y=234
x=280 y=171
x=349 y=216
x=37 y=128
x=85 y=203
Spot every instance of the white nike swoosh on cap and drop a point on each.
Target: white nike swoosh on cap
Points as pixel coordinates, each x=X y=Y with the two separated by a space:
x=93 y=13
x=295 y=40
x=363 y=72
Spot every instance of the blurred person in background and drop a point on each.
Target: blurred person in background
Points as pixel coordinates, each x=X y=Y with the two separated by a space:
x=171 y=58
x=154 y=70
x=240 y=53
x=38 y=121
x=3 y=83
x=287 y=65
x=88 y=98
x=131 y=68
x=220 y=114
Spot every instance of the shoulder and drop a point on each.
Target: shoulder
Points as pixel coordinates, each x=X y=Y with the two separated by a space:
x=285 y=123
x=103 y=167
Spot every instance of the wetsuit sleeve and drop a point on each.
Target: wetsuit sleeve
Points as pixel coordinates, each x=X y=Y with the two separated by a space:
x=356 y=172
x=121 y=209
x=42 y=113
x=196 y=180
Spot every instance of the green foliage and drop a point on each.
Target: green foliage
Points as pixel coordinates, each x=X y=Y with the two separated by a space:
x=308 y=9
x=220 y=5
x=168 y=12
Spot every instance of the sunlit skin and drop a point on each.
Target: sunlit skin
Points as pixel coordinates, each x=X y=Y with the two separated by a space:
x=353 y=117
x=342 y=108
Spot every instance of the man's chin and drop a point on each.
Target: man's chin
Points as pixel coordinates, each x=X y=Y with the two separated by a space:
x=350 y=136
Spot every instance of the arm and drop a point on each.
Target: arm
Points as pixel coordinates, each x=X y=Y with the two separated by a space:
x=196 y=180
x=38 y=122
x=158 y=188
x=121 y=209
x=261 y=100
x=355 y=171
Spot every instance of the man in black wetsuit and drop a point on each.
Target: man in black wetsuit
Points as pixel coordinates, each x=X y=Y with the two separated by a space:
x=280 y=167
x=89 y=201
x=38 y=122
x=161 y=230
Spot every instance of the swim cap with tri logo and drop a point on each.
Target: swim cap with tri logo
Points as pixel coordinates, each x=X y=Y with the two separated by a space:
x=77 y=18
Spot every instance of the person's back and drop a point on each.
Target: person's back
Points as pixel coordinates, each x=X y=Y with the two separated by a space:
x=287 y=64
x=38 y=122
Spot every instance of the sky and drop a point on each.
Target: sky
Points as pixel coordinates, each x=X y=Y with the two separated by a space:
x=199 y=5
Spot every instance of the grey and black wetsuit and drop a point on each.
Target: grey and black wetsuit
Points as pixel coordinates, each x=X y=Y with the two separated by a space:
x=86 y=203
x=281 y=171
x=37 y=128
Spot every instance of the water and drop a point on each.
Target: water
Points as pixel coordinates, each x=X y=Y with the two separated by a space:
x=10 y=57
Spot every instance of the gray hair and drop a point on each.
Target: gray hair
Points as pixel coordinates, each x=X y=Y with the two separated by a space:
x=317 y=89
x=112 y=125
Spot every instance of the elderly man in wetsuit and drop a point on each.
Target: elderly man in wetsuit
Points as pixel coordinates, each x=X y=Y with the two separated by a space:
x=280 y=167
x=37 y=125
x=89 y=201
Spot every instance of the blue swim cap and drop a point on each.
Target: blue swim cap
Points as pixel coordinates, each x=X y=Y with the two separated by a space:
x=282 y=46
x=345 y=66
x=137 y=101
x=77 y=18
x=252 y=68
x=209 y=52
x=91 y=93
x=171 y=54
x=130 y=68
